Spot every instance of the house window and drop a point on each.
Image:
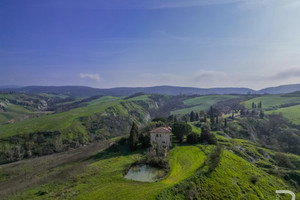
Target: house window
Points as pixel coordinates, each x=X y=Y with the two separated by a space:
x=163 y=142
x=159 y=135
x=156 y=135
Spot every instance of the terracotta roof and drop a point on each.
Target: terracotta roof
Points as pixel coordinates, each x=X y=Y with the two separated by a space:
x=161 y=130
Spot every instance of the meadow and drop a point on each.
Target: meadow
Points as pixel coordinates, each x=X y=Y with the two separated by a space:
x=273 y=101
x=103 y=177
x=202 y=103
x=59 y=121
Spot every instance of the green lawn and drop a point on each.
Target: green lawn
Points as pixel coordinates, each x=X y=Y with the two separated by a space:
x=202 y=103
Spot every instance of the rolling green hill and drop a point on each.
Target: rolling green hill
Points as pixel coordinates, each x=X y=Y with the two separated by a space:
x=101 y=176
x=275 y=101
x=202 y=103
x=248 y=167
x=287 y=104
x=101 y=118
x=292 y=113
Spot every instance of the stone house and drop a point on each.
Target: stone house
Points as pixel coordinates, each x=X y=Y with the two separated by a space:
x=160 y=140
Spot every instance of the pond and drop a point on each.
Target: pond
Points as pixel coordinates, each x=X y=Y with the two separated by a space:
x=145 y=173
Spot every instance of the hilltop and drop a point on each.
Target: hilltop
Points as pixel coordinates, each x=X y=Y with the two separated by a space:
x=80 y=91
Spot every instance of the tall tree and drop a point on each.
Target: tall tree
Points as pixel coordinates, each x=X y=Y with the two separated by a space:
x=134 y=137
x=180 y=129
x=225 y=123
x=212 y=120
x=206 y=136
x=192 y=116
x=261 y=114
x=197 y=117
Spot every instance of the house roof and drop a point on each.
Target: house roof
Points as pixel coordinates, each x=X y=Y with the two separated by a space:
x=161 y=130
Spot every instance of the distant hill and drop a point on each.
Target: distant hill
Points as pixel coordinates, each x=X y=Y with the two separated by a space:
x=9 y=86
x=281 y=89
x=125 y=91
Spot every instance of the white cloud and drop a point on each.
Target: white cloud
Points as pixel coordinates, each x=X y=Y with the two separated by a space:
x=94 y=77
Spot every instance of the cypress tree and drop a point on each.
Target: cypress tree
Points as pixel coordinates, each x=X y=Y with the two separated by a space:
x=197 y=117
x=192 y=116
x=204 y=118
x=261 y=114
x=134 y=137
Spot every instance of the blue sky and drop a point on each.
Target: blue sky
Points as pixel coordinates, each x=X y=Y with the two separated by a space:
x=103 y=44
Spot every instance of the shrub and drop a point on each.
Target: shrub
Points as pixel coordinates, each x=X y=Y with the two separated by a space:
x=283 y=161
x=214 y=158
x=253 y=179
x=192 y=138
x=208 y=138
x=145 y=140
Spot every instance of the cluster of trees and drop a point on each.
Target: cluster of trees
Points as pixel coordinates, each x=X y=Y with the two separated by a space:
x=252 y=113
x=181 y=129
x=212 y=117
x=273 y=132
x=259 y=105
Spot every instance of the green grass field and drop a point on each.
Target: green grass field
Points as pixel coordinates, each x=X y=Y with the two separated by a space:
x=292 y=113
x=104 y=178
x=59 y=121
x=273 y=101
x=232 y=177
x=14 y=112
x=202 y=103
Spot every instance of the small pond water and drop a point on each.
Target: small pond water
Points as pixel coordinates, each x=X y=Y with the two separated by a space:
x=144 y=173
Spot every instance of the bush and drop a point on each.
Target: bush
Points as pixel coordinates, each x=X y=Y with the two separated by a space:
x=214 y=158
x=253 y=179
x=145 y=140
x=208 y=138
x=192 y=138
x=283 y=161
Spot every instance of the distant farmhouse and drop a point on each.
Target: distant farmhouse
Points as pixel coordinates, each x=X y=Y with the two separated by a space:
x=160 y=140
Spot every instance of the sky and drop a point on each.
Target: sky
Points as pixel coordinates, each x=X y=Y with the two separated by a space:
x=135 y=43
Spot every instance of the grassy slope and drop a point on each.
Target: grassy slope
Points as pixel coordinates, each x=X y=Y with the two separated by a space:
x=231 y=179
x=202 y=103
x=292 y=113
x=104 y=178
x=272 y=101
x=60 y=121
x=14 y=112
